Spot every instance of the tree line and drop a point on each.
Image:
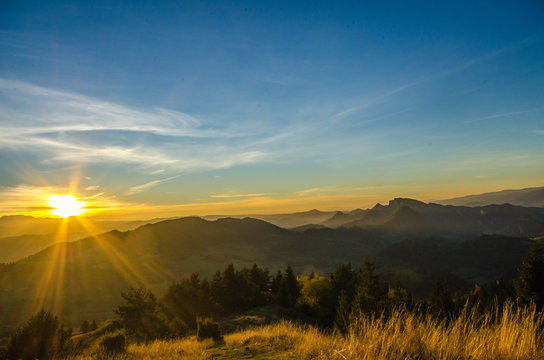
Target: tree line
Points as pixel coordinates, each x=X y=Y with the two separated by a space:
x=330 y=302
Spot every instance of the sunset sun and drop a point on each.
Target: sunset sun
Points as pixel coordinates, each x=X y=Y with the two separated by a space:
x=66 y=205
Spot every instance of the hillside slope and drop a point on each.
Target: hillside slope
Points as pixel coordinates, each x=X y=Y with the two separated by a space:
x=83 y=279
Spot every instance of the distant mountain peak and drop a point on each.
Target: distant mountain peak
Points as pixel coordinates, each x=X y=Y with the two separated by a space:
x=399 y=202
x=406 y=218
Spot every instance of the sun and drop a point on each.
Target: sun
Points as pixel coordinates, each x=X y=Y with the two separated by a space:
x=66 y=205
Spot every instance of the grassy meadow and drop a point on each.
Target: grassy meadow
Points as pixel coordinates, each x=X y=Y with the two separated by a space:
x=512 y=333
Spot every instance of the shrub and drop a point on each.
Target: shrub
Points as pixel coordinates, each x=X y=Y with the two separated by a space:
x=179 y=328
x=113 y=343
x=41 y=337
x=206 y=328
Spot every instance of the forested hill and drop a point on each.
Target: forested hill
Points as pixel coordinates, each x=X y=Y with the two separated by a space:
x=83 y=279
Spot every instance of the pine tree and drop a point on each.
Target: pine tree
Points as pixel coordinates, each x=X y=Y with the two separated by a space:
x=344 y=279
x=42 y=337
x=530 y=283
x=275 y=283
x=84 y=326
x=141 y=316
x=291 y=279
x=370 y=292
x=343 y=310
x=285 y=298
x=440 y=300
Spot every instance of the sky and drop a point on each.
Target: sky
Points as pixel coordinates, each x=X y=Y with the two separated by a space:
x=152 y=109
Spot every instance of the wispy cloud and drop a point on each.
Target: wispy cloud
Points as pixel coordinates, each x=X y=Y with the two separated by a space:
x=337 y=190
x=234 y=196
x=144 y=187
x=501 y=115
x=60 y=126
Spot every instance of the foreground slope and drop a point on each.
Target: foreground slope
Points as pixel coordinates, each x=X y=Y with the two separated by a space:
x=402 y=336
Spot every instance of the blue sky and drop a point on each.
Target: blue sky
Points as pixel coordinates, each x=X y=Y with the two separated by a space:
x=205 y=107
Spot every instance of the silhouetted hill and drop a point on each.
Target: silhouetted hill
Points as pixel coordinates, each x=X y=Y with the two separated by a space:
x=529 y=197
x=407 y=220
x=303 y=228
x=84 y=279
x=27 y=235
x=289 y=221
x=460 y=221
x=340 y=218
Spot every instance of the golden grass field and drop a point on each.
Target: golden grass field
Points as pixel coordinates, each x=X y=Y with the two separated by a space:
x=517 y=335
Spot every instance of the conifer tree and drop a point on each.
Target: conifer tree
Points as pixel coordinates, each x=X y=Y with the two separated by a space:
x=42 y=337
x=292 y=283
x=343 y=310
x=530 y=283
x=275 y=283
x=285 y=298
x=440 y=300
x=370 y=292
x=84 y=326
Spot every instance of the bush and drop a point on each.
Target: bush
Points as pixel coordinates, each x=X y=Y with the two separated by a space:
x=179 y=328
x=42 y=337
x=206 y=328
x=113 y=343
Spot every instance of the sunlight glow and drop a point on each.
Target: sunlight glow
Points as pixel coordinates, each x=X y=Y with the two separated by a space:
x=66 y=205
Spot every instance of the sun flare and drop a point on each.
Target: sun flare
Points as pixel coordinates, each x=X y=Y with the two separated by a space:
x=66 y=205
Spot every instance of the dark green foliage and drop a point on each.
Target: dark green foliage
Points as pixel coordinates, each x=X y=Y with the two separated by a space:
x=275 y=283
x=240 y=290
x=93 y=326
x=530 y=283
x=113 y=343
x=179 y=328
x=229 y=291
x=84 y=327
x=259 y=280
x=289 y=289
x=317 y=299
x=285 y=298
x=141 y=316
x=344 y=279
x=40 y=338
x=292 y=283
x=343 y=310
x=440 y=303
x=189 y=299
x=370 y=293
x=206 y=328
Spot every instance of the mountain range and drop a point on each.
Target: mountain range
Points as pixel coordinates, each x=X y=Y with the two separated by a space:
x=412 y=241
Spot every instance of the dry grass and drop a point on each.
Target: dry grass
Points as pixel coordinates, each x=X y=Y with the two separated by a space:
x=518 y=335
